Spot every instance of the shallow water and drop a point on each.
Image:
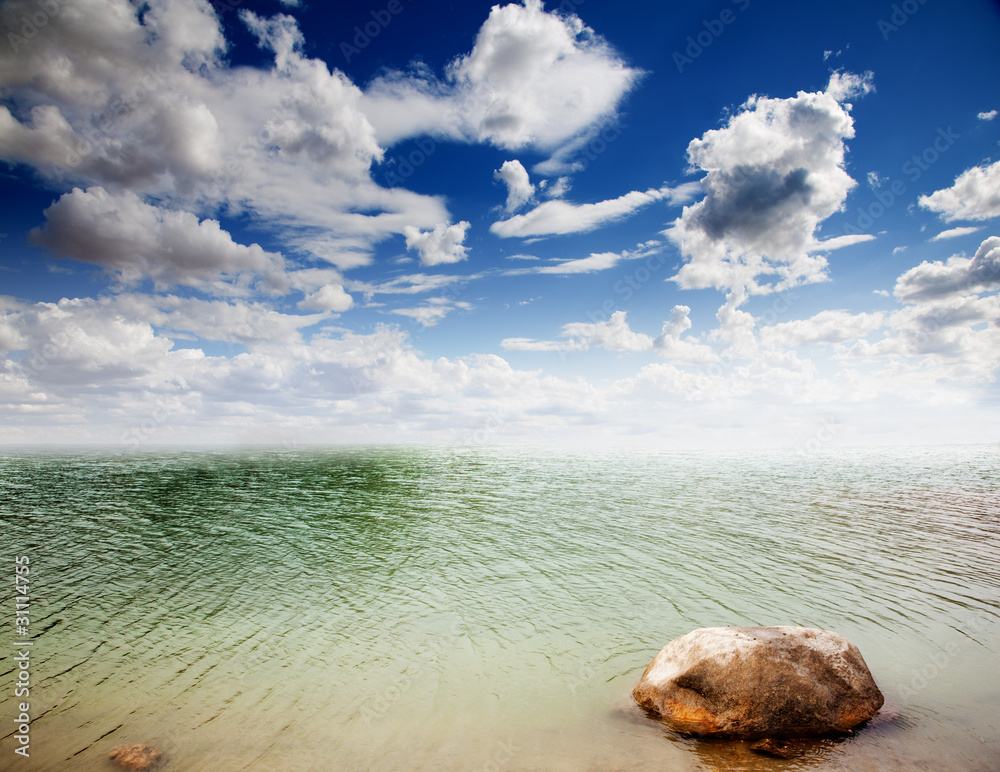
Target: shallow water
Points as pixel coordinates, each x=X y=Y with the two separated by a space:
x=486 y=609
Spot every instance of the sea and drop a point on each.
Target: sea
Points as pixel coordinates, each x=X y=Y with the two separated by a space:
x=477 y=607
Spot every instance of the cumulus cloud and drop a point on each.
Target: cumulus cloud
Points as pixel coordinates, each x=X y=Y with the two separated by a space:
x=987 y=116
x=135 y=240
x=331 y=298
x=130 y=115
x=76 y=342
x=255 y=325
x=826 y=327
x=773 y=174
x=941 y=341
x=441 y=245
x=142 y=100
x=955 y=276
x=974 y=196
x=519 y=187
x=670 y=345
x=614 y=334
x=532 y=79
x=558 y=217
x=846 y=85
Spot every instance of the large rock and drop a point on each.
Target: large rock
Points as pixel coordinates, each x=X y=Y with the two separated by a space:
x=754 y=682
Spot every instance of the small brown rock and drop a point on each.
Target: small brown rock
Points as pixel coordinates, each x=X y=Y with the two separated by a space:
x=769 y=747
x=135 y=758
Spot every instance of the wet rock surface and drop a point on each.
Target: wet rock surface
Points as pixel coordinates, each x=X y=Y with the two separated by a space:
x=135 y=758
x=759 y=682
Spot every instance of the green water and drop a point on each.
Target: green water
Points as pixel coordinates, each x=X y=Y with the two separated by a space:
x=484 y=609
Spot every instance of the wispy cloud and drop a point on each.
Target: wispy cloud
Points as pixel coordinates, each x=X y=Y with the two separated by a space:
x=558 y=217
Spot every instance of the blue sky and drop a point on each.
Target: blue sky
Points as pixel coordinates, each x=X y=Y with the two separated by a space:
x=662 y=224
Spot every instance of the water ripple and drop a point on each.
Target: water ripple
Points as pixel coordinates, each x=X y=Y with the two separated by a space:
x=366 y=608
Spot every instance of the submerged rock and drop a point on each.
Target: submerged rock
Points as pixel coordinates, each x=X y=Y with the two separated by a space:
x=756 y=682
x=135 y=758
x=769 y=747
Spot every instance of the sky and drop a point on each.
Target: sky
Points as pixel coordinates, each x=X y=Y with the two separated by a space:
x=592 y=224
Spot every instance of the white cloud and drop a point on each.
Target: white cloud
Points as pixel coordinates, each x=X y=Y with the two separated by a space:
x=411 y=284
x=612 y=335
x=934 y=280
x=138 y=107
x=329 y=298
x=97 y=370
x=439 y=246
x=428 y=316
x=686 y=351
x=826 y=327
x=530 y=344
x=160 y=113
x=134 y=240
x=974 y=196
x=557 y=189
x=953 y=233
x=255 y=325
x=942 y=344
x=532 y=79
x=845 y=85
x=837 y=242
x=599 y=261
x=558 y=217
x=519 y=187
x=774 y=173
x=987 y=116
